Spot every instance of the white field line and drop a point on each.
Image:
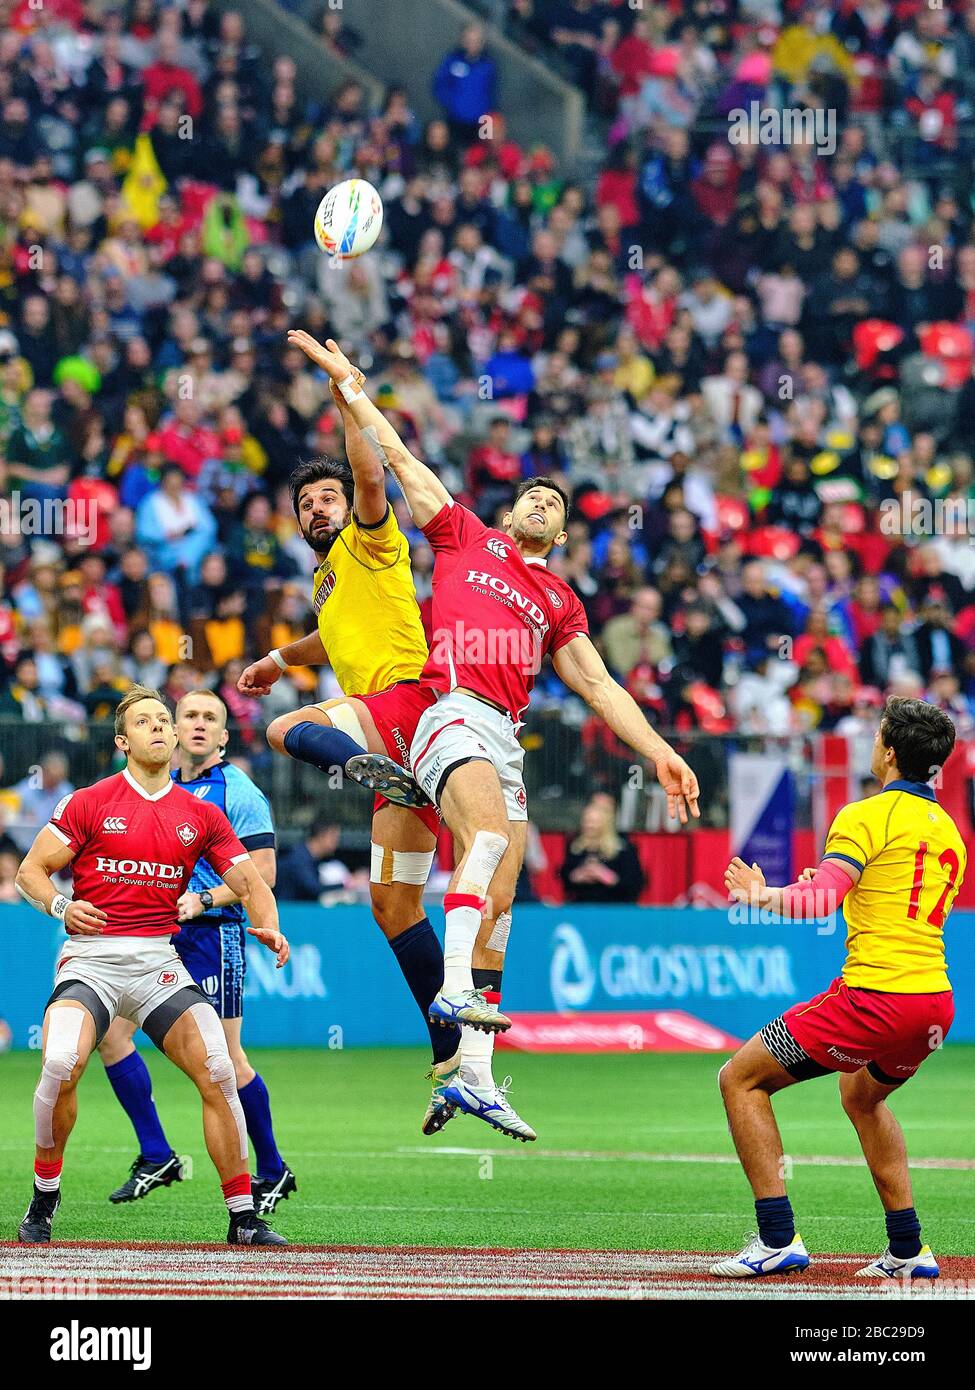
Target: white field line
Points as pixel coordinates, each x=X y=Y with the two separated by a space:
x=523 y=1152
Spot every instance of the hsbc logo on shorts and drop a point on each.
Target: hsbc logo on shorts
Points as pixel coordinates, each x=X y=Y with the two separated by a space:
x=113 y=824
x=143 y=867
x=532 y=611
x=186 y=833
x=497 y=547
x=167 y=977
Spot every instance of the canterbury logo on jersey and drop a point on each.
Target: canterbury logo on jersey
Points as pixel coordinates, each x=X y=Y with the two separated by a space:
x=498 y=548
x=528 y=606
x=113 y=823
x=323 y=591
x=138 y=866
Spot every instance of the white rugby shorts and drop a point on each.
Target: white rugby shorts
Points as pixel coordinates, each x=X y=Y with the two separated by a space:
x=458 y=729
x=131 y=975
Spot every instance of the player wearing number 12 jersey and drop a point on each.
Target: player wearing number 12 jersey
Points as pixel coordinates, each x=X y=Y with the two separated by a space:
x=896 y=860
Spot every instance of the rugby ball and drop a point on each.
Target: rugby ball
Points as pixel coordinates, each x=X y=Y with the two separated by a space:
x=349 y=219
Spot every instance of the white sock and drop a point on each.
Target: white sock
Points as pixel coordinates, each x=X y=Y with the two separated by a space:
x=476 y=1052
x=464 y=909
x=463 y=922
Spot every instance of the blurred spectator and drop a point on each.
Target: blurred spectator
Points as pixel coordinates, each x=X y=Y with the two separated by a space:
x=465 y=82
x=600 y=865
x=37 y=796
x=309 y=868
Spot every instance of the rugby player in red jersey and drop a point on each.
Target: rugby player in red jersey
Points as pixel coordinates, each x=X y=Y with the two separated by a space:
x=497 y=612
x=132 y=841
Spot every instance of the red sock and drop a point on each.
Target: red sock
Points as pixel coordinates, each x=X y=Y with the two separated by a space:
x=237 y=1193
x=47 y=1176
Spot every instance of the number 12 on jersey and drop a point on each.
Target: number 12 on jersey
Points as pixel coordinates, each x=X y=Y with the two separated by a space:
x=948 y=861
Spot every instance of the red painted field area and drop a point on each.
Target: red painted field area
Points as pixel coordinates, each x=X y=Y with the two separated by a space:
x=403 y=1272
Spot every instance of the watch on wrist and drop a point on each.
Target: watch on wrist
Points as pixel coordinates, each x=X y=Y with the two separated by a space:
x=206 y=898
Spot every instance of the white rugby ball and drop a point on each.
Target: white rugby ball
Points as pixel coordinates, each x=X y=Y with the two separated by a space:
x=349 y=219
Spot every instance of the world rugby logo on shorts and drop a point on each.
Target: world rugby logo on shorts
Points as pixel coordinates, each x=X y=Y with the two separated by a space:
x=556 y=600
x=167 y=977
x=187 y=833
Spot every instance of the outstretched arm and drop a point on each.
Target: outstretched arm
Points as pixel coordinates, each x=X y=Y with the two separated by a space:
x=257 y=680
x=369 y=500
x=424 y=492
x=583 y=670
x=816 y=894
x=248 y=886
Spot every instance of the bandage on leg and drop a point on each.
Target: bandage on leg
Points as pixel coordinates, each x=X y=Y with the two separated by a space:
x=464 y=909
x=60 y=1060
x=399 y=865
x=220 y=1065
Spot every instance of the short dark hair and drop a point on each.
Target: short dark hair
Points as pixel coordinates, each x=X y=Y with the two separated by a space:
x=316 y=470
x=921 y=735
x=529 y=483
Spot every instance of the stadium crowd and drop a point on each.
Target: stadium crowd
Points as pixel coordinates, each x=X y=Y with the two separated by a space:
x=749 y=362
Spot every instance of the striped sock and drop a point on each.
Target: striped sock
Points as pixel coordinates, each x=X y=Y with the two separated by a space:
x=47 y=1176
x=237 y=1193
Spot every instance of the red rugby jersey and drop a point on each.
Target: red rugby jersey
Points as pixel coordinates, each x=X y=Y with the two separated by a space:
x=134 y=852
x=495 y=615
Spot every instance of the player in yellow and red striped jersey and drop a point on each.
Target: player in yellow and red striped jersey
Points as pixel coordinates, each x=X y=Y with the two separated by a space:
x=896 y=861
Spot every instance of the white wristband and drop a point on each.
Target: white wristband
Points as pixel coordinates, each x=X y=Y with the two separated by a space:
x=278 y=660
x=349 y=388
x=60 y=906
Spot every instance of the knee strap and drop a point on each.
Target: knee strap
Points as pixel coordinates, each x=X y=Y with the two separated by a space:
x=344 y=718
x=399 y=865
x=60 y=1060
x=220 y=1065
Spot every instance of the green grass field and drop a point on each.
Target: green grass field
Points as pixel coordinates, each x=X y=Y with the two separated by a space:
x=632 y=1154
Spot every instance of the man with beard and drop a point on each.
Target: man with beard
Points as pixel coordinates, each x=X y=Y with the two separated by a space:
x=369 y=631
x=497 y=611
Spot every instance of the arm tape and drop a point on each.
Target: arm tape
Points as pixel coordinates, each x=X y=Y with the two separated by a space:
x=820 y=897
x=371 y=435
x=278 y=659
x=350 y=389
x=34 y=902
